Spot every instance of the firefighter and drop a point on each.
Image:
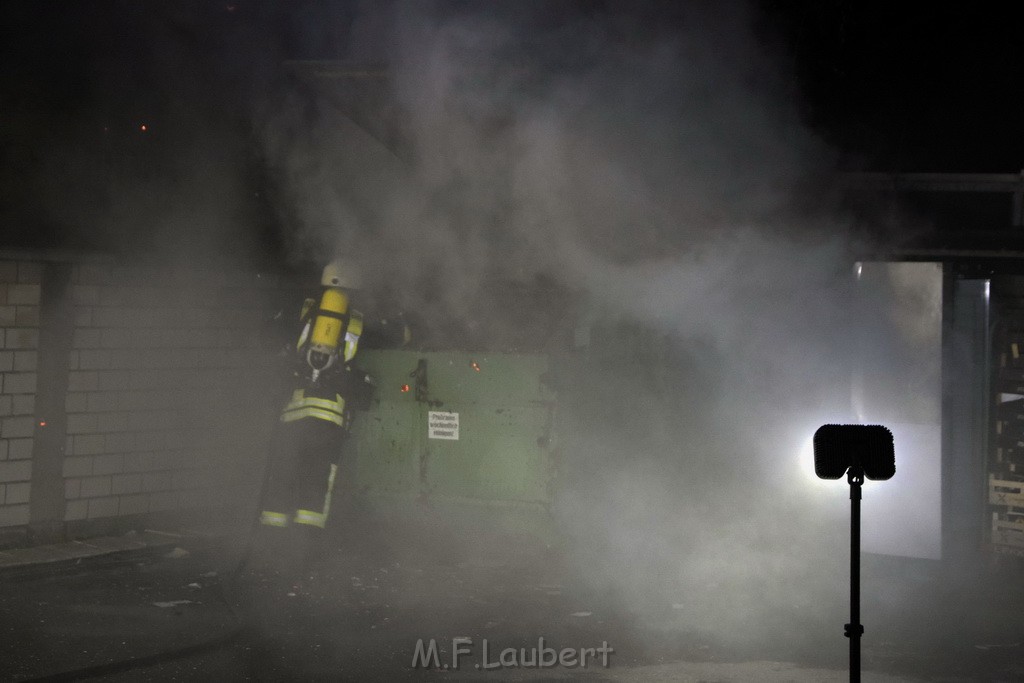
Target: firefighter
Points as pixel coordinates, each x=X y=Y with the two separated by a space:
x=309 y=438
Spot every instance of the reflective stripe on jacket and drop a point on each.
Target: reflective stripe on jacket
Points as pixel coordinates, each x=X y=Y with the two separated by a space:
x=302 y=406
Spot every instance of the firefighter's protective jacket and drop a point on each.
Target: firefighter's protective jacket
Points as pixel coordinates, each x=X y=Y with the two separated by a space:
x=323 y=396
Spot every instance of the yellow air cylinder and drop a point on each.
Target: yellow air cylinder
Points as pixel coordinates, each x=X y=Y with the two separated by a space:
x=329 y=323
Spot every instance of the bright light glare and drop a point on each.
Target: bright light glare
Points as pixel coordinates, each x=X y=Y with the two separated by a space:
x=805 y=452
x=901 y=516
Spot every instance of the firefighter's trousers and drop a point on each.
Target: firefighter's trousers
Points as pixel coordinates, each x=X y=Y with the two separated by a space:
x=303 y=461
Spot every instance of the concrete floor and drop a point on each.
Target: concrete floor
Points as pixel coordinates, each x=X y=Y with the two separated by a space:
x=176 y=611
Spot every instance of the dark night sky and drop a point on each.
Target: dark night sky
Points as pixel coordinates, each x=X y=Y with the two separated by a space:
x=892 y=86
x=912 y=86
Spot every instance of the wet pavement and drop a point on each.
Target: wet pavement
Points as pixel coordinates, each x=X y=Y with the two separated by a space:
x=177 y=608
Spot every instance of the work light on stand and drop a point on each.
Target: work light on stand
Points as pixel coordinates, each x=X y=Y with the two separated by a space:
x=858 y=451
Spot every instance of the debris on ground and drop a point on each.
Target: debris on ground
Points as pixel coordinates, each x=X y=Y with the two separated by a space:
x=172 y=603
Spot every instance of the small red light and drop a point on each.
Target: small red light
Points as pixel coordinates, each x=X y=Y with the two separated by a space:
x=143 y=128
x=475 y=366
x=42 y=423
x=405 y=388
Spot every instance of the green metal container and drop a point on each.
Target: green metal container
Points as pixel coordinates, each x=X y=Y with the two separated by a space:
x=464 y=438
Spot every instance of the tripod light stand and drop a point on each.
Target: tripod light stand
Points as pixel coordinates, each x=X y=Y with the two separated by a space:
x=858 y=451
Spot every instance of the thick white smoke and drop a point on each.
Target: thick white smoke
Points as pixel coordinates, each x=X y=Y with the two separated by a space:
x=659 y=165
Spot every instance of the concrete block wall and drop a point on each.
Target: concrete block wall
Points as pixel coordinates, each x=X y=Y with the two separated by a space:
x=160 y=377
x=166 y=405
x=19 y=337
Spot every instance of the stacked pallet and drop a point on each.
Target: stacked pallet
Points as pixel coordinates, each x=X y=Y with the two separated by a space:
x=1006 y=466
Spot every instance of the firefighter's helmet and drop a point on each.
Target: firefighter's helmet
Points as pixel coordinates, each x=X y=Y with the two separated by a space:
x=341 y=273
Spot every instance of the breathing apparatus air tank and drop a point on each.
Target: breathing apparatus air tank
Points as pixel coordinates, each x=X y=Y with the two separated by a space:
x=327 y=330
x=331 y=315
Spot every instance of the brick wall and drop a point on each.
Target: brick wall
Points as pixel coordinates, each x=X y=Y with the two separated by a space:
x=167 y=398
x=19 y=336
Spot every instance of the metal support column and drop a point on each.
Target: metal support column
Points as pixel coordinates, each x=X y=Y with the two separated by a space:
x=965 y=362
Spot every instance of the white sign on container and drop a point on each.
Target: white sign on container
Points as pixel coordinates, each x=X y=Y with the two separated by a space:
x=443 y=425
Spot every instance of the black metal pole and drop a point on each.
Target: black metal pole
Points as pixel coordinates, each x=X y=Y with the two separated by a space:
x=854 y=630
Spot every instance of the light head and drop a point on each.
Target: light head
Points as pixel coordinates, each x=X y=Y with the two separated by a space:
x=837 y=448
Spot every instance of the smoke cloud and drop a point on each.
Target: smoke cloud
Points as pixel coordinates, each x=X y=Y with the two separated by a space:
x=656 y=163
x=650 y=158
